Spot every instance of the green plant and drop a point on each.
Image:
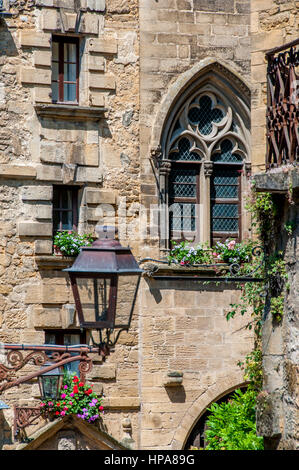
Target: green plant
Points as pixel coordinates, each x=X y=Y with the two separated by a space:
x=290 y=227
x=75 y=398
x=231 y=425
x=277 y=308
x=232 y=252
x=70 y=242
x=252 y=367
x=184 y=254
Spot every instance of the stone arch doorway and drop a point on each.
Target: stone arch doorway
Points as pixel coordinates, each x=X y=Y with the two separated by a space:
x=196 y=437
x=221 y=389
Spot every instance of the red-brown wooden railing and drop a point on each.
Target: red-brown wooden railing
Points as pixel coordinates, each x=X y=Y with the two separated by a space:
x=283 y=105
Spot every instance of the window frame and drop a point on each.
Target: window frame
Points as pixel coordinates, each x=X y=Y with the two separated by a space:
x=183 y=164
x=74 y=209
x=62 y=40
x=220 y=236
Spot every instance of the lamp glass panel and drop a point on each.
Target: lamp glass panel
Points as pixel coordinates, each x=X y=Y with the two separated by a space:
x=50 y=386
x=125 y=298
x=94 y=296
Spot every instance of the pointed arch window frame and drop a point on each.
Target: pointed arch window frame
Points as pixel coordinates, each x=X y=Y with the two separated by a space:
x=215 y=80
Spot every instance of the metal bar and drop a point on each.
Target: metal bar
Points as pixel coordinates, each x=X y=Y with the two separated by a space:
x=205 y=279
x=46 y=347
x=282 y=48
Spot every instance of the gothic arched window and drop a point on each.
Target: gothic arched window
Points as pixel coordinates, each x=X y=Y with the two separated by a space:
x=205 y=148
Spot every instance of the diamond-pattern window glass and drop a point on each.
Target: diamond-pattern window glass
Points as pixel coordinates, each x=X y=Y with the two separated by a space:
x=182 y=183
x=226 y=155
x=183 y=152
x=182 y=217
x=204 y=115
x=225 y=218
x=224 y=183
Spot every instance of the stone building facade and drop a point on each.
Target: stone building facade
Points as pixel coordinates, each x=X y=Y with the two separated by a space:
x=105 y=136
x=275 y=24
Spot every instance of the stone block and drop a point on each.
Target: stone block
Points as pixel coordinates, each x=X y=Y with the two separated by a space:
x=37 y=193
x=43 y=211
x=89 y=24
x=43 y=247
x=42 y=58
x=34 y=229
x=32 y=38
x=106 y=46
x=122 y=403
x=96 y=62
x=100 y=196
x=106 y=82
x=89 y=175
x=216 y=6
x=17 y=172
x=35 y=76
x=42 y=94
x=47 y=294
x=95 y=5
x=87 y=154
x=50 y=20
x=47 y=317
x=49 y=173
x=51 y=152
x=97 y=99
x=103 y=372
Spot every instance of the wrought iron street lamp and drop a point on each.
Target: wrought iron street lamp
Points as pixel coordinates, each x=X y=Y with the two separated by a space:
x=50 y=383
x=105 y=278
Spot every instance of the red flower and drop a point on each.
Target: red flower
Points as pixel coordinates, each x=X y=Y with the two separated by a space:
x=81 y=384
x=57 y=413
x=88 y=392
x=75 y=379
x=101 y=408
x=75 y=389
x=57 y=404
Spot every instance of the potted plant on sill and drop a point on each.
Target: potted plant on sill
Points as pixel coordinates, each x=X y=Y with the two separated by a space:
x=186 y=255
x=69 y=243
x=231 y=252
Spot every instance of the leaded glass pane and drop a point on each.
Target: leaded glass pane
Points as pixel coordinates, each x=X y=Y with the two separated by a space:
x=226 y=155
x=225 y=183
x=204 y=115
x=184 y=151
x=182 y=183
x=225 y=218
x=182 y=217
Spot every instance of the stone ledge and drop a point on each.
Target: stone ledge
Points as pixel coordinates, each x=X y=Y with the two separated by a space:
x=70 y=112
x=17 y=171
x=54 y=262
x=280 y=180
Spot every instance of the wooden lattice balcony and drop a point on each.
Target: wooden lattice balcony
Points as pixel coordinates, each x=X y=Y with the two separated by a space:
x=283 y=105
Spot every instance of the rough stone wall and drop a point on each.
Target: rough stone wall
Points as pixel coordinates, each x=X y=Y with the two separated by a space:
x=273 y=23
x=37 y=151
x=176 y=328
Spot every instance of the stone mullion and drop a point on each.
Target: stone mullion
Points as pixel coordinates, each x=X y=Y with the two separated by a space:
x=164 y=171
x=206 y=202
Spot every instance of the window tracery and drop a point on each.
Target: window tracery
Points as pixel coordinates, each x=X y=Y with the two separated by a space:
x=206 y=145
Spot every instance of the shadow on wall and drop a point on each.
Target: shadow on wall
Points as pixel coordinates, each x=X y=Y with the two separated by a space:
x=155 y=287
x=7 y=44
x=5 y=431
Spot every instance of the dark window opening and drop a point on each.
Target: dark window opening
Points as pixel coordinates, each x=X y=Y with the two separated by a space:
x=65 y=70
x=65 y=208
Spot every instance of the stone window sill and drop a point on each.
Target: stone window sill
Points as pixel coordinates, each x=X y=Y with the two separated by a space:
x=54 y=262
x=70 y=112
x=152 y=269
